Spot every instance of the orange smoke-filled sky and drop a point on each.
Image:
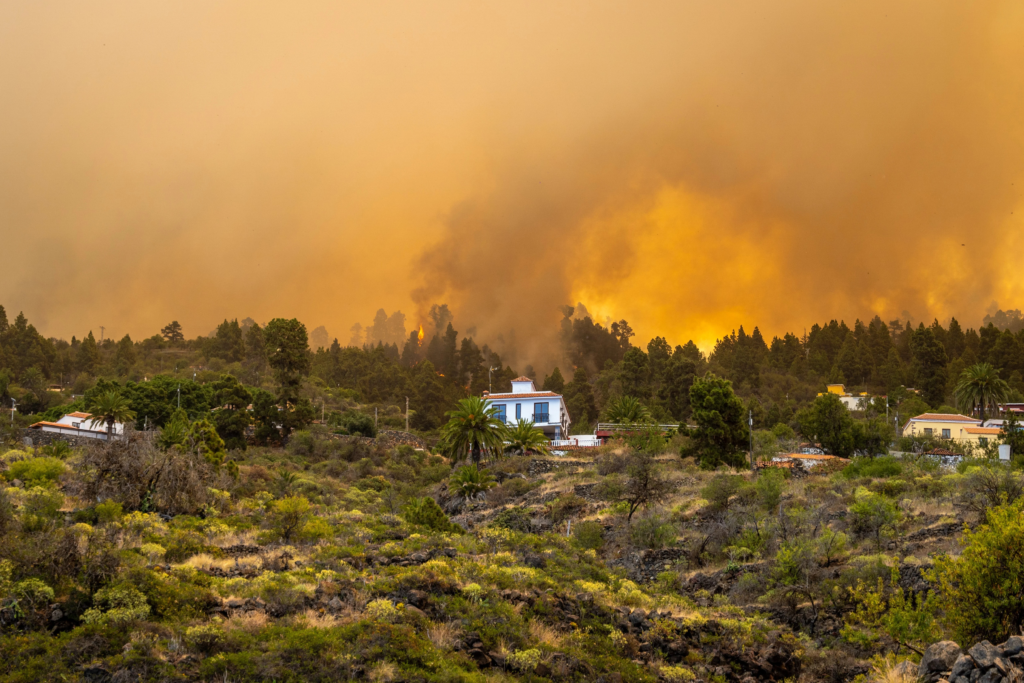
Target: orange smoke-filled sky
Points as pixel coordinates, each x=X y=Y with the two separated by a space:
x=688 y=166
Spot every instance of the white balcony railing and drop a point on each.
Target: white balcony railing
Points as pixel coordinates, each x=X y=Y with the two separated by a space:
x=639 y=427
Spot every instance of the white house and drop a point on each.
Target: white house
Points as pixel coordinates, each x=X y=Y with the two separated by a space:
x=852 y=401
x=79 y=424
x=545 y=408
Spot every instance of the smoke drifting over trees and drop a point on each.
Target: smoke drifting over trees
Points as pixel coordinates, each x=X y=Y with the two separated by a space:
x=685 y=166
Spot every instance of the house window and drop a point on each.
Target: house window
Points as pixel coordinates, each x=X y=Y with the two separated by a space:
x=75 y=424
x=945 y=433
x=540 y=412
x=927 y=431
x=519 y=411
x=500 y=411
x=982 y=441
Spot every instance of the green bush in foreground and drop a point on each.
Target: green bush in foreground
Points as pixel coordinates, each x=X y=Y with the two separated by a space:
x=36 y=470
x=981 y=592
x=426 y=512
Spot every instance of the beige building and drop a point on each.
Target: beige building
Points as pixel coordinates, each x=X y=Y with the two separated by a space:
x=946 y=427
x=981 y=436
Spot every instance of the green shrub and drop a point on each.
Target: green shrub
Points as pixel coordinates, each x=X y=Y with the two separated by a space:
x=118 y=604
x=525 y=660
x=204 y=637
x=769 y=485
x=288 y=516
x=589 y=535
x=36 y=471
x=877 y=468
x=610 y=489
x=514 y=519
x=513 y=488
x=469 y=482
x=652 y=532
x=872 y=514
x=354 y=422
x=316 y=529
x=677 y=674
x=108 y=511
x=981 y=592
x=382 y=609
x=57 y=449
x=41 y=508
x=565 y=506
x=905 y=619
x=426 y=512
x=721 y=488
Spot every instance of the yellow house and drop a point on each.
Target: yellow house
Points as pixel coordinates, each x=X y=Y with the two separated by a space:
x=837 y=389
x=981 y=436
x=946 y=427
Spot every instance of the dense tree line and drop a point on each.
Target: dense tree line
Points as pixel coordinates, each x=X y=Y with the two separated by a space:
x=915 y=367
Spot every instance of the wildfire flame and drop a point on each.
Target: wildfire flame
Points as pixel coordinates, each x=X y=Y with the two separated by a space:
x=419 y=335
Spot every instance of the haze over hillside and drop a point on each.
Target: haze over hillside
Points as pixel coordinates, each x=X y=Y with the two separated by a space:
x=686 y=166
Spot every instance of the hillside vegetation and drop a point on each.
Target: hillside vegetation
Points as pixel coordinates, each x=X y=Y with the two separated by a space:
x=336 y=558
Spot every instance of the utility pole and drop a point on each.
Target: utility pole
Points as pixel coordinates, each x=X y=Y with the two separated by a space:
x=13 y=403
x=750 y=423
x=375 y=417
x=179 y=397
x=489 y=371
x=407 y=413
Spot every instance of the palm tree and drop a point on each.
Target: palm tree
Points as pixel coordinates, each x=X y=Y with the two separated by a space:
x=468 y=483
x=110 y=407
x=981 y=386
x=627 y=410
x=474 y=426
x=525 y=438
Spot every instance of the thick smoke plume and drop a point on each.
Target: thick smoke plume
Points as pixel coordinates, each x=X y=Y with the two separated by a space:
x=686 y=166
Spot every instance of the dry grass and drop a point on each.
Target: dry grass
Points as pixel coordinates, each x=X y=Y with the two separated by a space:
x=383 y=672
x=890 y=671
x=545 y=634
x=931 y=508
x=206 y=562
x=444 y=634
x=503 y=648
x=247 y=537
x=250 y=622
x=314 y=619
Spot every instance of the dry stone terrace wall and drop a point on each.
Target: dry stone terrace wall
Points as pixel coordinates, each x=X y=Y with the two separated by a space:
x=539 y=466
x=386 y=438
x=37 y=437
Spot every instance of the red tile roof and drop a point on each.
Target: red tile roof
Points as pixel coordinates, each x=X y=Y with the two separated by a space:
x=522 y=378
x=939 y=417
x=995 y=431
x=66 y=426
x=81 y=415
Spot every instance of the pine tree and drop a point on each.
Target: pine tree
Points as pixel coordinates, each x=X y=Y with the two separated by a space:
x=636 y=374
x=88 y=355
x=172 y=332
x=554 y=382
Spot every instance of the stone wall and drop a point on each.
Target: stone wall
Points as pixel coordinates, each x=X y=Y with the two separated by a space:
x=983 y=663
x=391 y=438
x=37 y=437
x=386 y=438
x=538 y=466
